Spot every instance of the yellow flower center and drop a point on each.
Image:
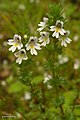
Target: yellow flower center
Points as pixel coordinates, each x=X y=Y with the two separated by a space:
x=21 y=55
x=32 y=46
x=57 y=29
x=15 y=44
x=45 y=39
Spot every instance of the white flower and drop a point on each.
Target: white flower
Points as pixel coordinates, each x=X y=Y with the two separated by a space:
x=47 y=77
x=3 y=83
x=15 y=42
x=1 y=36
x=58 y=29
x=44 y=38
x=18 y=115
x=27 y=96
x=43 y=24
x=22 y=7
x=5 y=43
x=76 y=64
x=64 y=39
x=63 y=59
x=5 y=62
x=49 y=87
x=32 y=45
x=76 y=38
x=34 y=1
x=21 y=55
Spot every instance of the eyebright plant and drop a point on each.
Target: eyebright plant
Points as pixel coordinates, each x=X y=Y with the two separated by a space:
x=35 y=43
x=53 y=36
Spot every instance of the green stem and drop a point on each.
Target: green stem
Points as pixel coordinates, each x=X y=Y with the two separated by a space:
x=57 y=92
x=56 y=87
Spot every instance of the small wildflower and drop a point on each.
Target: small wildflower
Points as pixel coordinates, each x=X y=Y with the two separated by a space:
x=1 y=36
x=15 y=42
x=34 y=1
x=27 y=96
x=64 y=39
x=47 y=77
x=31 y=1
x=3 y=83
x=22 y=7
x=32 y=45
x=43 y=24
x=44 y=38
x=18 y=115
x=58 y=29
x=5 y=62
x=49 y=87
x=76 y=64
x=21 y=55
x=76 y=38
x=5 y=43
x=63 y=59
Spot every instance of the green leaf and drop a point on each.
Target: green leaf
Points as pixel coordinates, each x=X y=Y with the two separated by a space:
x=37 y=80
x=69 y=98
x=15 y=87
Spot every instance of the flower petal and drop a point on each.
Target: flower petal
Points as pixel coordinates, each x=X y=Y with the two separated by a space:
x=13 y=48
x=52 y=28
x=63 y=43
x=68 y=40
x=48 y=40
x=54 y=34
x=45 y=19
x=27 y=47
x=16 y=54
x=61 y=32
x=40 y=39
x=33 y=51
x=41 y=24
x=64 y=31
x=57 y=35
x=25 y=58
x=10 y=42
x=43 y=44
x=40 y=29
x=37 y=47
x=19 y=60
x=20 y=46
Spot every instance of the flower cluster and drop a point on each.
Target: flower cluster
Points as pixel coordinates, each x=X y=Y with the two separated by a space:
x=16 y=43
x=35 y=43
x=57 y=31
